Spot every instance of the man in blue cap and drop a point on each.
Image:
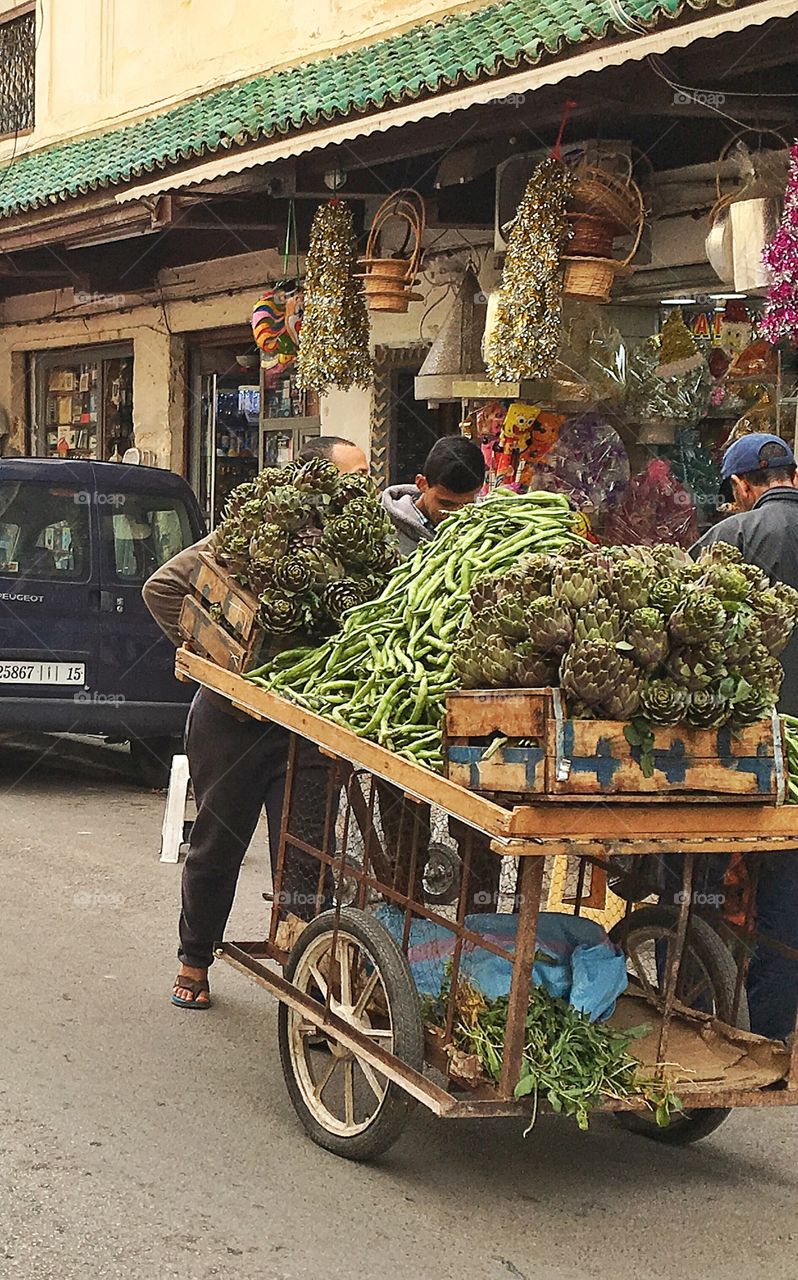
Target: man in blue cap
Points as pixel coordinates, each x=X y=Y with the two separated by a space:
x=761 y=471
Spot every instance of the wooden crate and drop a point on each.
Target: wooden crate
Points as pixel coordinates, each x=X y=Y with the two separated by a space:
x=572 y=759
x=218 y=619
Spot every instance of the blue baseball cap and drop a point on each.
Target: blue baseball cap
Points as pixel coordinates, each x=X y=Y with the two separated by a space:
x=757 y=452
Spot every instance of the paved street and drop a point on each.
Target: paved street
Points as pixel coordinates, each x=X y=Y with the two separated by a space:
x=138 y=1141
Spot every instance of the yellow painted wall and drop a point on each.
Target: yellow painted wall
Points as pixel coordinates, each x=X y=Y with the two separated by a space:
x=105 y=62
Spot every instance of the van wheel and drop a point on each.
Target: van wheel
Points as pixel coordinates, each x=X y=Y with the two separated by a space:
x=152 y=760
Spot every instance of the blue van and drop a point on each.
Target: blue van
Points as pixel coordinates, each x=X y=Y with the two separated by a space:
x=79 y=652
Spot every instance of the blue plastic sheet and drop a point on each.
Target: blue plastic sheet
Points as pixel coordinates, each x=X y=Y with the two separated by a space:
x=582 y=966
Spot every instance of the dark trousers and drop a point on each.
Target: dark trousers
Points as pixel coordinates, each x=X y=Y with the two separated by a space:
x=772 y=985
x=237 y=767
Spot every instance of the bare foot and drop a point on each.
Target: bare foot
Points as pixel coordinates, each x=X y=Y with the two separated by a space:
x=186 y=993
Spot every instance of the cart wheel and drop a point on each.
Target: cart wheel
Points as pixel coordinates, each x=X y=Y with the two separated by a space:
x=708 y=982
x=346 y=1106
x=441 y=878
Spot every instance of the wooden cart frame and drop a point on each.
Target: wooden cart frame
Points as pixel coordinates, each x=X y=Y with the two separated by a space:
x=528 y=833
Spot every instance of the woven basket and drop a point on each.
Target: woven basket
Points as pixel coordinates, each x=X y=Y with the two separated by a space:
x=592 y=237
x=605 y=195
x=388 y=282
x=589 y=278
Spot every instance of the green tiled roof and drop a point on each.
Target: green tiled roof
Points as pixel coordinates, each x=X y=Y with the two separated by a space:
x=424 y=60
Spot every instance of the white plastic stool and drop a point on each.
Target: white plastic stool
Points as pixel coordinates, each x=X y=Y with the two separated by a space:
x=174 y=820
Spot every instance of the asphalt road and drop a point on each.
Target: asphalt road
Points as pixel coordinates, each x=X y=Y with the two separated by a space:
x=137 y=1141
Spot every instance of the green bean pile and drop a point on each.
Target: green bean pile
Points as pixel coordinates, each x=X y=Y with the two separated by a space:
x=386 y=674
x=791 y=742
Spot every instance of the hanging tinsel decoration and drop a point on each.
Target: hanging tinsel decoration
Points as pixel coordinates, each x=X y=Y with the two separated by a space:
x=526 y=333
x=780 y=318
x=334 y=342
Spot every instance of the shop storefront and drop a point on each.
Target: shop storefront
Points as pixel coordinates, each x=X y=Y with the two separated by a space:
x=83 y=402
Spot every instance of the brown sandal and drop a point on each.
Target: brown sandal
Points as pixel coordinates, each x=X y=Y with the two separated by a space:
x=197 y=986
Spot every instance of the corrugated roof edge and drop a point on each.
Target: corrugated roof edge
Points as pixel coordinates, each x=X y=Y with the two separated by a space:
x=529 y=22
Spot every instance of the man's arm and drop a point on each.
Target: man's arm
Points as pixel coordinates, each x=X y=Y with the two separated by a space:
x=164 y=592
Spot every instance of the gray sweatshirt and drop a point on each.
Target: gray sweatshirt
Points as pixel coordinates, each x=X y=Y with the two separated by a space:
x=399 y=500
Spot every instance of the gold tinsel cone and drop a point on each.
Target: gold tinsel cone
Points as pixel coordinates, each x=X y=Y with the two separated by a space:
x=334 y=339
x=526 y=334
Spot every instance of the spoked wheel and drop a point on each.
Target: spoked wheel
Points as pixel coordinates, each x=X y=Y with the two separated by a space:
x=345 y=1104
x=707 y=982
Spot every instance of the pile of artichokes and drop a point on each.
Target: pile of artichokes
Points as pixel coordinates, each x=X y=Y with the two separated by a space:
x=309 y=542
x=634 y=632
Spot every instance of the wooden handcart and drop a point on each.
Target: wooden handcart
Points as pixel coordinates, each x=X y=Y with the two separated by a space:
x=356 y=1050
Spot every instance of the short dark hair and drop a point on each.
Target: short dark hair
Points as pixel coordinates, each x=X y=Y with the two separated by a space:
x=322 y=447
x=456 y=464
x=770 y=475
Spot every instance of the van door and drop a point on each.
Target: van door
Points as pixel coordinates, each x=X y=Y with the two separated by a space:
x=140 y=529
x=49 y=640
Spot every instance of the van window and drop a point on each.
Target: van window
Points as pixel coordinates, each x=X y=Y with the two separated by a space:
x=44 y=532
x=144 y=531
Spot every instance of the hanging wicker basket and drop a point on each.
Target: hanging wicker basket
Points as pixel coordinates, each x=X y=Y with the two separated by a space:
x=606 y=195
x=592 y=276
x=388 y=282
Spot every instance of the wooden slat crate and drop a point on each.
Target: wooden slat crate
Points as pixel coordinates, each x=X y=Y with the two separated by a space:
x=570 y=759
x=219 y=619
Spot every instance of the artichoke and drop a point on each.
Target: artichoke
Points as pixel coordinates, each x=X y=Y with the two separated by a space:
x=726 y=581
x=756 y=578
x=752 y=705
x=498 y=666
x=788 y=597
x=339 y=596
x=577 y=582
x=509 y=618
x=719 y=553
x=280 y=614
x=318 y=476
x=292 y=574
x=762 y=671
x=549 y=626
x=692 y=669
x=532 y=577
x=232 y=548
x=600 y=620
x=775 y=620
x=663 y=702
x=625 y=698
x=647 y=633
x=351 y=486
x=699 y=616
x=707 y=709
x=630 y=585
x=285 y=506
x=591 y=671
x=268 y=544
x=306 y=538
x=485 y=593
x=353 y=543
x=532 y=670
x=266 y=480
x=665 y=595
x=238 y=499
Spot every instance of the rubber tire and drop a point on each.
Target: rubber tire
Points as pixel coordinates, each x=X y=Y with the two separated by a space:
x=716 y=958
x=152 y=760
x=403 y=1000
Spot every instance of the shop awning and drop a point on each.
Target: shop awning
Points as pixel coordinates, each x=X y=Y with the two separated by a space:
x=513 y=46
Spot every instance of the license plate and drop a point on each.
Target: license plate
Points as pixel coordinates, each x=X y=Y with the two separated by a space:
x=18 y=672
